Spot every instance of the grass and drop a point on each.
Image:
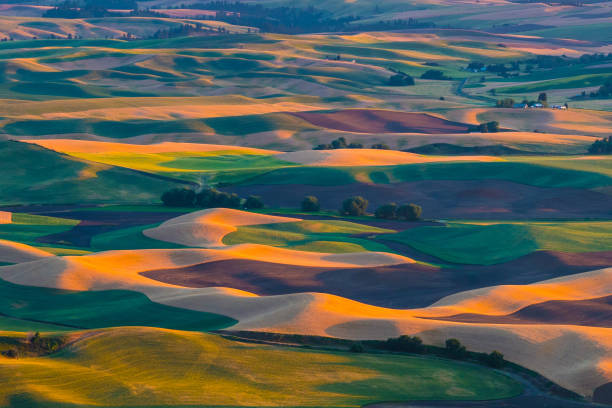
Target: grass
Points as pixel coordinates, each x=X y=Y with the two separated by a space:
x=97 y=309
x=128 y=238
x=313 y=236
x=154 y=367
x=485 y=244
x=519 y=172
x=39 y=175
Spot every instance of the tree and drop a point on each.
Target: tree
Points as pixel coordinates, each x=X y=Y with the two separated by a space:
x=310 y=204
x=386 y=212
x=401 y=79
x=406 y=344
x=354 y=206
x=339 y=143
x=505 y=103
x=356 y=347
x=495 y=359
x=543 y=98
x=380 y=146
x=409 y=212
x=179 y=197
x=434 y=74
x=253 y=203
x=602 y=146
x=454 y=348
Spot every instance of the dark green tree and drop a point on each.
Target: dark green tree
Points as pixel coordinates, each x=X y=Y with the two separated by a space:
x=409 y=212
x=310 y=204
x=354 y=206
x=253 y=203
x=179 y=197
x=386 y=211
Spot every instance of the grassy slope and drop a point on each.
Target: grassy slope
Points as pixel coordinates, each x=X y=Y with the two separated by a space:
x=96 y=309
x=38 y=175
x=519 y=172
x=135 y=366
x=500 y=242
x=312 y=236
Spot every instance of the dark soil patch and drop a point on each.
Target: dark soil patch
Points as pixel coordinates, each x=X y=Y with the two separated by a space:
x=446 y=199
x=590 y=312
x=98 y=222
x=398 y=286
x=382 y=121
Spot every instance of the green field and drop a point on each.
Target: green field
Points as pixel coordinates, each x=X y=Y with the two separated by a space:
x=28 y=308
x=313 y=236
x=151 y=367
x=496 y=242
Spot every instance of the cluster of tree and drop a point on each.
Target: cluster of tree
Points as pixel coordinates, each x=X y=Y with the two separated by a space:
x=185 y=30
x=435 y=74
x=604 y=91
x=34 y=345
x=294 y=20
x=488 y=127
x=601 y=146
x=208 y=198
x=391 y=211
x=90 y=8
x=341 y=143
x=401 y=79
x=510 y=103
x=413 y=344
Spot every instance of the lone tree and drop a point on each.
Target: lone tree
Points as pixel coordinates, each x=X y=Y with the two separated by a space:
x=435 y=74
x=409 y=212
x=253 y=203
x=179 y=197
x=543 y=98
x=310 y=204
x=386 y=211
x=354 y=206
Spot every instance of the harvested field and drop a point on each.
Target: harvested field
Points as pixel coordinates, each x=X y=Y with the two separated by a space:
x=399 y=286
x=382 y=121
x=369 y=157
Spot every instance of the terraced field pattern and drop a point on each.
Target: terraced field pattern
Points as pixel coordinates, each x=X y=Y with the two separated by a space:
x=199 y=208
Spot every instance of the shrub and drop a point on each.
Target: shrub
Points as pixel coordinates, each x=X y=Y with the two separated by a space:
x=386 y=212
x=409 y=212
x=355 y=146
x=179 y=197
x=354 y=206
x=454 y=348
x=253 y=203
x=310 y=204
x=488 y=127
x=602 y=146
